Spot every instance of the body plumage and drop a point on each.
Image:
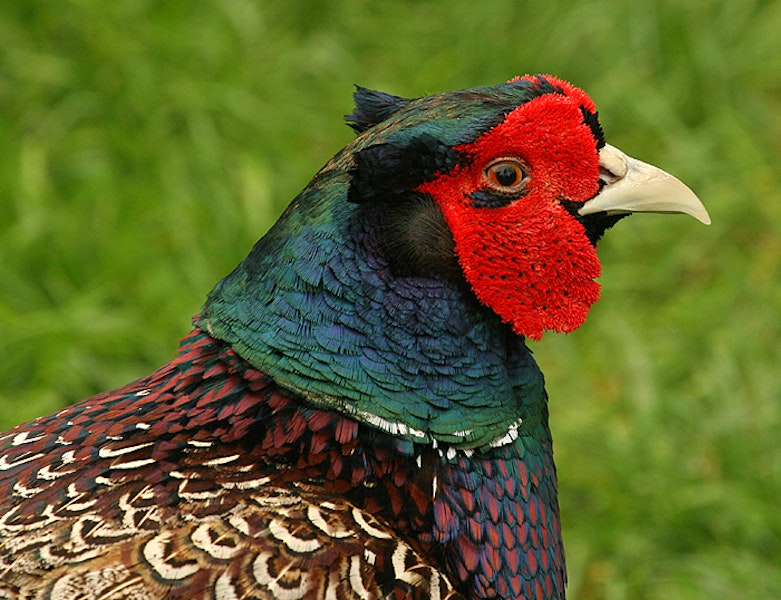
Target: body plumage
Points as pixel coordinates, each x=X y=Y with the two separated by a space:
x=356 y=413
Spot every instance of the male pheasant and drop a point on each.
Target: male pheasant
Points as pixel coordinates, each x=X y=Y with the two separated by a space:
x=356 y=413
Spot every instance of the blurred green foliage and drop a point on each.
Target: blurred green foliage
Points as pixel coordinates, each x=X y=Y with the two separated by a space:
x=144 y=146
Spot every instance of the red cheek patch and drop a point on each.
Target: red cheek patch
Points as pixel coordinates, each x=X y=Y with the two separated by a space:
x=530 y=261
x=536 y=274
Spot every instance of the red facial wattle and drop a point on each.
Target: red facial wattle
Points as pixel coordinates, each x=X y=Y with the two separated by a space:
x=529 y=261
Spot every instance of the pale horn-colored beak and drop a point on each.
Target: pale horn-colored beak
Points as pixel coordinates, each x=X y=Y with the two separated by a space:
x=634 y=186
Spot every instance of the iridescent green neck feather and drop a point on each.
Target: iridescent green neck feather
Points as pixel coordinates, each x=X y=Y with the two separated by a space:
x=340 y=312
x=316 y=306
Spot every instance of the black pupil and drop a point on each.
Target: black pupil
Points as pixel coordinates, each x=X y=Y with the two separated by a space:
x=506 y=175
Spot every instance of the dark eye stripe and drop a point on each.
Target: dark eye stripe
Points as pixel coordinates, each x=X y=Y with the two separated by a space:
x=491 y=198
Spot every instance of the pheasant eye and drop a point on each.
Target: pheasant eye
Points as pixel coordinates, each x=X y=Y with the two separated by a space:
x=506 y=175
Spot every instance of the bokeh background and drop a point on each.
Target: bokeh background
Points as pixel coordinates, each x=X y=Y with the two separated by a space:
x=145 y=146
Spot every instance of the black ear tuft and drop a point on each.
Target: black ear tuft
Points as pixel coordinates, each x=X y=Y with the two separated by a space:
x=385 y=171
x=372 y=107
x=416 y=241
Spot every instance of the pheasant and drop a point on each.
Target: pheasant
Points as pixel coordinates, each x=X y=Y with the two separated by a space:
x=356 y=413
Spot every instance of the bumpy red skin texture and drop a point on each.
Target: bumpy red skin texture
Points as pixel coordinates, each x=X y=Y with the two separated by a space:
x=530 y=261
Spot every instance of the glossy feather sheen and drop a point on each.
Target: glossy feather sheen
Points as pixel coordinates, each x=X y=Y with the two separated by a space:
x=404 y=350
x=356 y=414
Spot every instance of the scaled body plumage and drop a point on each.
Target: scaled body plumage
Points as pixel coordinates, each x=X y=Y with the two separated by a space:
x=201 y=479
x=356 y=413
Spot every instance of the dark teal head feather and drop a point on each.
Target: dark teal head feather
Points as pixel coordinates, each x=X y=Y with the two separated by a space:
x=371 y=107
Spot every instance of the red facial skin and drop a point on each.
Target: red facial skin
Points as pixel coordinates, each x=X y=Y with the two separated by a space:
x=530 y=261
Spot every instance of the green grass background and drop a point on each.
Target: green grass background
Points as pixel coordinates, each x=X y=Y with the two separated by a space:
x=145 y=145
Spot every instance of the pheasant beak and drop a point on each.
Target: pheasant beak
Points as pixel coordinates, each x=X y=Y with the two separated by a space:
x=631 y=185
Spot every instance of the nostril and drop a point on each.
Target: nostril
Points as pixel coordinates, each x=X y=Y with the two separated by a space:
x=606 y=177
x=612 y=165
